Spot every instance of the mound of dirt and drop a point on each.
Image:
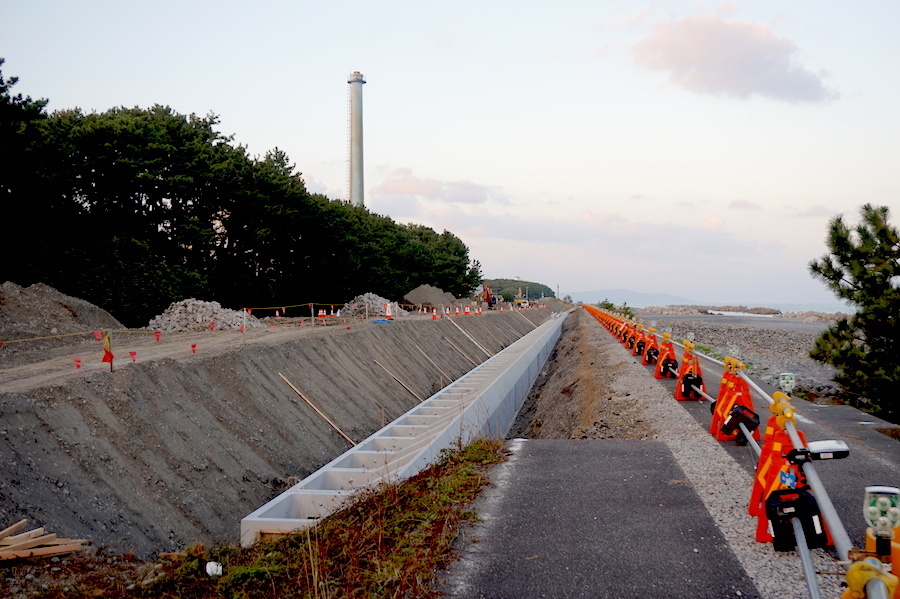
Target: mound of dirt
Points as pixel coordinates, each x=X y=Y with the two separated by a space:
x=41 y=310
x=573 y=398
x=429 y=296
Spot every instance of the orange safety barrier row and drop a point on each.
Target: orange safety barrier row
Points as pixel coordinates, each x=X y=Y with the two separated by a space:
x=775 y=472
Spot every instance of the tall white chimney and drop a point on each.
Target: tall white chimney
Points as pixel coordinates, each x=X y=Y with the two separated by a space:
x=356 y=138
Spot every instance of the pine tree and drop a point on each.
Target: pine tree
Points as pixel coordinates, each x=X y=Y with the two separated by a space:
x=863 y=268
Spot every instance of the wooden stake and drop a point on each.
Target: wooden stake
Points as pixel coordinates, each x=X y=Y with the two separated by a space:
x=405 y=386
x=472 y=339
x=318 y=411
x=474 y=363
x=433 y=363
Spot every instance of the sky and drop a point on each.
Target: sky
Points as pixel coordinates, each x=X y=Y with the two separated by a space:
x=691 y=148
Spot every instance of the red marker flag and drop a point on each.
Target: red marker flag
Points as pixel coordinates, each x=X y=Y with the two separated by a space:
x=193 y=348
x=157 y=334
x=133 y=355
x=77 y=363
x=212 y=325
x=108 y=356
x=98 y=335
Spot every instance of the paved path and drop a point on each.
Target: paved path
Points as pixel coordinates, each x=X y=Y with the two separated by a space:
x=594 y=518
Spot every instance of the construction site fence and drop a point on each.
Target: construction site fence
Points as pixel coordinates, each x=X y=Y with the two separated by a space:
x=784 y=460
x=111 y=346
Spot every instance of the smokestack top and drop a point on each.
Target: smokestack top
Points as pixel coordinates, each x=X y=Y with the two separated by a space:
x=356 y=76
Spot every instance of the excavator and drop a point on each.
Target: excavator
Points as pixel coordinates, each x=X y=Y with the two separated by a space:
x=486 y=296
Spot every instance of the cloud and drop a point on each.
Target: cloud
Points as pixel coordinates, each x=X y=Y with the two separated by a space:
x=403 y=183
x=713 y=222
x=602 y=51
x=817 y=210
x=744 y=205
x=713 y=55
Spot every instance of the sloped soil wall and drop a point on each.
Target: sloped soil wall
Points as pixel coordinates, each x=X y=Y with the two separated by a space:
x=161 y=454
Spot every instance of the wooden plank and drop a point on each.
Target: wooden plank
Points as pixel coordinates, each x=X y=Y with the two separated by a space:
x=40 y=551
x=13 y=529
x=22 y=537
x=29 y=543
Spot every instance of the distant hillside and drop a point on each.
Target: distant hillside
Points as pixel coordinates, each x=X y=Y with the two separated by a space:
x=635 y=299
x=508 y=288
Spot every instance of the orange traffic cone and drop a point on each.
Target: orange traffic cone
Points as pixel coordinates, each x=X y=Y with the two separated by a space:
x=434 y=314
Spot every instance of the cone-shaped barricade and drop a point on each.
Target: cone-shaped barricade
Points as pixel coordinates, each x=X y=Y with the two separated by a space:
x=739 y=396
x=689 y=375
x=651 y=353
x=639 y=342
x=667 y=360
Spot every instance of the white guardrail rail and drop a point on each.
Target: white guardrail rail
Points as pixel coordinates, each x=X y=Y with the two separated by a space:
x=482 y=403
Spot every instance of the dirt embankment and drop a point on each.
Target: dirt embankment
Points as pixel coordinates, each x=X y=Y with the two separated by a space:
x=168 y=451
x=580 y=394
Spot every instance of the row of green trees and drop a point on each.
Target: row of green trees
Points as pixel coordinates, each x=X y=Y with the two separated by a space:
x=135 y=208
x=508 y=289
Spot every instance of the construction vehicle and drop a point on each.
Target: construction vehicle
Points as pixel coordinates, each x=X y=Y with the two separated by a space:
x=486 y=296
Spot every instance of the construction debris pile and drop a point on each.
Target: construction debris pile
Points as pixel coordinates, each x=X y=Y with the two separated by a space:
x=429 y=296
x=372 y=305
x=192 y=314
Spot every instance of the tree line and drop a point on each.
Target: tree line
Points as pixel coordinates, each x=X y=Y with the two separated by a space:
x=134 y=208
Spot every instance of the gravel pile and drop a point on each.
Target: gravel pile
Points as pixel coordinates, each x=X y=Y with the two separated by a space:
x=766 y=351
x=192 y=313
x=722 y=484
x=371 y=304
x=429 y=296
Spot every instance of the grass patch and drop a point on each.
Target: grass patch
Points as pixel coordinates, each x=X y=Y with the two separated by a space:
x=386 y=543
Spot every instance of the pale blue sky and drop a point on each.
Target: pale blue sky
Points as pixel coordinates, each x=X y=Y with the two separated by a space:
x=588 y=145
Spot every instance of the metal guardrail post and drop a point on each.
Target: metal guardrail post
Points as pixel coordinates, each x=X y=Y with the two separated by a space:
x=842 y=543
x=809 y=572
x=876 y=589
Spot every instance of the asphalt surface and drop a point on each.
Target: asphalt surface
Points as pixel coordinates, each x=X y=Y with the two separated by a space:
x=594 y=518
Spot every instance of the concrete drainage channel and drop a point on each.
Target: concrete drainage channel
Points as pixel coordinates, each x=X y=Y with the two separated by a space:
x=483 y=403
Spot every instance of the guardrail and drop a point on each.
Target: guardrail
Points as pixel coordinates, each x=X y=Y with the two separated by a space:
x=483 y=403
x=788 y=497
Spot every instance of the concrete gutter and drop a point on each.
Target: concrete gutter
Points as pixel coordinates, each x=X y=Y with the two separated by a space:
x=481 y=404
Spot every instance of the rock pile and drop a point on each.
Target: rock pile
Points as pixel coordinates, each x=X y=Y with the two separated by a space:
x=429 y=296
x=371 y=304
x=192 y=314
x=766 y=351
x=686 y=310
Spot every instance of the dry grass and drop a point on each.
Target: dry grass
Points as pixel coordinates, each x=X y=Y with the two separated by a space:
x=387 y=543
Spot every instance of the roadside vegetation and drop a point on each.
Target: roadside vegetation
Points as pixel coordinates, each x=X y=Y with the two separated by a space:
x=862 y=267
x=387 y=543
x=134 y=208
